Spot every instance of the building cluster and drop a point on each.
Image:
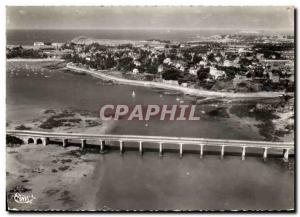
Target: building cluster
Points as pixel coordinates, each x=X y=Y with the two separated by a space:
x=243 y=62
x=255 y=62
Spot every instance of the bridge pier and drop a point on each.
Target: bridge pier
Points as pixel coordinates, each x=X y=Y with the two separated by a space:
x=160 y=149
x=102 y=144
x=121 y=147
x=201 y=151
x=285 y=155
x=180 y=150
x=64 y=142
x=45 y=141
x=222 y=151
x=38 y=137
x=265 y=155
x=83 y=143
x=27 y=140
x=244 y=153
x=141 y=147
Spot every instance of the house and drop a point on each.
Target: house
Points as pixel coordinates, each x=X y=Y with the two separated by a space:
x=160 y=69
x=178 y=65
x=38 y=43
x=215 y=73
x=57 y=45
x=167 y=61
x=135 y=71
x=202 y=63
x=218 y=58
x=260 y=56
x=137 y=63
x=184 y=84
x=274 y=76
x=193 y=70
x=228 y=63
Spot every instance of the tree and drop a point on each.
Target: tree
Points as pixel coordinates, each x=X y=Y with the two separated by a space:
x=203 y=73
x=126 y=64
x=196 y=59
x=171 y=74
x=211 y=57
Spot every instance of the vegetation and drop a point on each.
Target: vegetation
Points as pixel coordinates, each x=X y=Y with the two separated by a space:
x=20 y=52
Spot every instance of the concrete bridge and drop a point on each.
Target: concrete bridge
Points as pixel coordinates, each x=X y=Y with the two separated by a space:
x=39 y=137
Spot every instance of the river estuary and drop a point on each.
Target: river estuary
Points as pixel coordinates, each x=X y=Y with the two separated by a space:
x=149 y=182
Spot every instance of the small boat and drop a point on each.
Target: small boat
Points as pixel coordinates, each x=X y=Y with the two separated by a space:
x=133 y=94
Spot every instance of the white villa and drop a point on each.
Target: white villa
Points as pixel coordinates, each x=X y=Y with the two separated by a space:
x=215 y=73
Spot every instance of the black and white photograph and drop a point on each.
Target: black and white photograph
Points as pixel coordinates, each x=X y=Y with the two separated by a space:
x=150 y=108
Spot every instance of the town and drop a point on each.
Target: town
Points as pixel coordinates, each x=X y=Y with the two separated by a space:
x=231 y=63
x=142 y=108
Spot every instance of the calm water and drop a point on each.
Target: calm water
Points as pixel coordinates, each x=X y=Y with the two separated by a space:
x=32 y=90
x=150 y=182
x=27 y=37
x=132 y=182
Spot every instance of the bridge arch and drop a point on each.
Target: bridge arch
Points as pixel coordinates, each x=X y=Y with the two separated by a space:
x=39 y=141
x=30 y=140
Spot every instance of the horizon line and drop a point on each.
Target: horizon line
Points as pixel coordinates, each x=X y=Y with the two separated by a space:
x=164 y=28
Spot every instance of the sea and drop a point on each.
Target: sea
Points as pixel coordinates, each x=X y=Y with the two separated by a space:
x=28 y=36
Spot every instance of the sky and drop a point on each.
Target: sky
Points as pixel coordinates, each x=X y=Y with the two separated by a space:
x=97 y=17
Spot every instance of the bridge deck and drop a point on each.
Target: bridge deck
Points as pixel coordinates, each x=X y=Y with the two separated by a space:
x=156 y=139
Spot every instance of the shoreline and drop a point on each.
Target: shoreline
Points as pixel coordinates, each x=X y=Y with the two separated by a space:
x=34 y=60
x=185 y=90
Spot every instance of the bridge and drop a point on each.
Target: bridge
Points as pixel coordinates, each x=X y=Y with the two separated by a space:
x=179 y=143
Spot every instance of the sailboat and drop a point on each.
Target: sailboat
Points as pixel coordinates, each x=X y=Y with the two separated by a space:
x=133 y=94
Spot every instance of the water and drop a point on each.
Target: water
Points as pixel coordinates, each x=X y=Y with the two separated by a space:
x=27 y=37
x=150 y=182
x=30 y=93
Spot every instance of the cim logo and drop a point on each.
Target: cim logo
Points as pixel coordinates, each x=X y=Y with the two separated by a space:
x=22 y=198
x=145 y=112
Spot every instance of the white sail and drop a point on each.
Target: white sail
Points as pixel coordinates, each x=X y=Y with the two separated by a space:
x=133 y=94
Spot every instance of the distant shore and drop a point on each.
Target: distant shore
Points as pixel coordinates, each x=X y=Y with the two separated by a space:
x=34 y=60
x=185 y=90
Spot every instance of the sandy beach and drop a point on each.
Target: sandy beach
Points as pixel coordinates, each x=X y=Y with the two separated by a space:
x=55 y=176
x=185 y=90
